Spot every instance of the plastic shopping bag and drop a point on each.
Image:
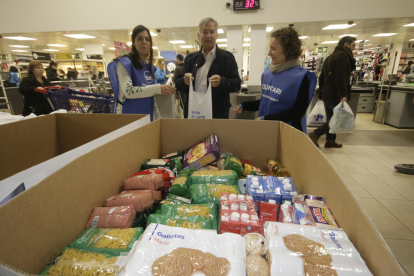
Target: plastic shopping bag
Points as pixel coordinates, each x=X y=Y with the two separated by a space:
x=318 y=115
x=200 y=104
x=343 y=119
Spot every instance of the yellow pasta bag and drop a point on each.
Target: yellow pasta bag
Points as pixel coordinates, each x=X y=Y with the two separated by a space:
x=211 y=193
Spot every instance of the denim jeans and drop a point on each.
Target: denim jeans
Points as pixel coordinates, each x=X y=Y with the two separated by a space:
x=324 y=129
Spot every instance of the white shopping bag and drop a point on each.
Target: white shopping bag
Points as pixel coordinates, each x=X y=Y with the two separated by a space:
x=199 y=104
x=318 y=115
x=343 y=119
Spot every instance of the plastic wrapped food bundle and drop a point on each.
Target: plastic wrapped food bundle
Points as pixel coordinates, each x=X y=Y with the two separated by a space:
x=231 y=162
x=144 y=182
x=141 y=201
x=167 y=250
x=227 y=177
x=156 y=195
x=194 y=222
x=180 y=187
x=211 y=193
x=174 y=165
x=256 y=266
x=255 y=244
x=112 y=217
x=173 y=199
x=108 y=241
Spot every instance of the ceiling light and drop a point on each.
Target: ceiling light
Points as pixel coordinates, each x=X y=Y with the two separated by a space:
x=103 y=44
x=56 y=45
x=220 y=31
x=353 y=35
x=19 y=38
x=19 y=46
x=222 y=45
x=303 y=37
x=80 y=49
x=330 y=42
x=269 y=29
x=387 y=45
x=359 y=41
x=250 y=29
x=411 y=40
x=338 y=26
x=186 y=46
x=79 y=36
x=221 y=40
x=246 y=45
x=246 y=39
x=50 y=50
x=385 y=34
x=153 y=34
x=22 y=51
x=177 y=41
x=154 y=47
x=368 y=44
x=409 y=25
x=111 y=48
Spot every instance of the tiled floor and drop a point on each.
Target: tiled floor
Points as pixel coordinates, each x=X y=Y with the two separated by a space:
x=366 y=164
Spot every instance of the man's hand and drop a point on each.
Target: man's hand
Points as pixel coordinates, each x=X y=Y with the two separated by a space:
x=343 y=99
x=188 y=77
x=237 y=109
x=215 y=80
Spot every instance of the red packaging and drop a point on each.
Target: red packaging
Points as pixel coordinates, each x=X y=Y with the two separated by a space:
x=249 y=224
x=230 y=224
x=141 y=202
x=286 y=213
x=156 y=195
x=268 y=211
x=144 y=182
x=166 y=173
x=112 y=217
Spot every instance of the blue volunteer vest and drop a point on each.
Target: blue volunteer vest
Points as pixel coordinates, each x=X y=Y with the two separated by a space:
x=139 y=77
x=280 y=90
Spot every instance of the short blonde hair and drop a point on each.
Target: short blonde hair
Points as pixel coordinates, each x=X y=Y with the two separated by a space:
x=33 y=64
x=158 y=63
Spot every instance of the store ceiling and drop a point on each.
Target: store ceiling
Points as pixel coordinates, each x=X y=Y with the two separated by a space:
x=365 y=29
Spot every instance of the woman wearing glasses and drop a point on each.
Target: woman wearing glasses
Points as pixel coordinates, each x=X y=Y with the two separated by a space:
x=34 y=102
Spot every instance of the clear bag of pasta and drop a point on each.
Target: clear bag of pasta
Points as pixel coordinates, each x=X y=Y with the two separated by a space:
x=74 y=262
x=194 y=222
x=107 y=241
x=211 y=193
x=228 y=177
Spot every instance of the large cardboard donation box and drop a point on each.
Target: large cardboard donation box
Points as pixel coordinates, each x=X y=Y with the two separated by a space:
x=37 y=224
x=27 y=143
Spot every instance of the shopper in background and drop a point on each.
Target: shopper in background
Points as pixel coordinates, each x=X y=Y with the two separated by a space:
x=14 y=76
x=61 y=74
x=211 y=66
x=51 y=71
x=178 y=70
x=335 y=86
x=132 y=77
x=72 y=73
x=287 y=88
x=34 y=102
x=408 y=69
x=161 y=76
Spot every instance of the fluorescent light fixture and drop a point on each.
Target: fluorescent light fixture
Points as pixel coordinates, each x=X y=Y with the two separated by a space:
x=269 y=29
x=338 y=26
x=153 y=34
x=19 y=38
x=250 y=29
x=222 y=45
x=186 y=46
x=247 y=39
x=56 y=45
x=111 y=48
x=303 y=37
x=177 y=41
x=21 y=51
x=19 y=46
x=411 y=40
x=220 y=31
x=368 y=44
x=79 y=36
x=359 y=41
x=80 y=49
x=409 y=25
x=246 y=45
x=50 y=50
x=353 y=35
x=385 y=34
x=387 y=45
x=154 y=47
x=103 y=44
x=330 y=42
x=221 y=40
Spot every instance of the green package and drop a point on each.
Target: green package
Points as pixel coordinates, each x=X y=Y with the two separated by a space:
x=194 y=222
x=174 y=165
x=189 y=210
x=174 y=199
x=227 y=177
x=233 y=163
x=180 y=187
x=175 y=155
x=211 y=193
x=186 y=172
x=141 y=218
x=107 y=241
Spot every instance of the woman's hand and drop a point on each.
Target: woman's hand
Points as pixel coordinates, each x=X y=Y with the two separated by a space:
x=167 y=90
x=258 y=119
x=237 y=109
x=167 y=76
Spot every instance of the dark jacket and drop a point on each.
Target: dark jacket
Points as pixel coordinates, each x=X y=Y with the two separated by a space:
x=177 y=72
x=51 y=74
x=34 y=102
x=334 y=81
x=223 y=65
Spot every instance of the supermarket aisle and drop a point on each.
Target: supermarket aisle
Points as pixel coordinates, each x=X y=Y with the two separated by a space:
x=366 y=165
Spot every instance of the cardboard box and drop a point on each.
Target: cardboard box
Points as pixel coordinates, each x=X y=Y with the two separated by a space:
x=37 y=224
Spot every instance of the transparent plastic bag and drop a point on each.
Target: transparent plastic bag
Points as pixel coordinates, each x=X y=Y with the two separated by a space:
x=343 y=119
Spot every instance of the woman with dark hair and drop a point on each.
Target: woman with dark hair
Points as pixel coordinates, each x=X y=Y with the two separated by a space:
x=34 y=102
x=51 y=71
x=132 y=77
x=14 y=76
x=287 y=88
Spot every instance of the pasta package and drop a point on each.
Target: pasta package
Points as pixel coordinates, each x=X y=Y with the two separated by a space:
x=180 y=187
x=112 y=217
x=141 y=218
x=186 y=172
x=208 y=211
x=173 y=199
x=211 y=193
x=194 y=222
x=144 y=182
x=202 y=153
x=227 y=177
x=174 y=165
x=141 y=201
x=156 y=195
x=74 y=262
x=233 y=163
x=108 y=241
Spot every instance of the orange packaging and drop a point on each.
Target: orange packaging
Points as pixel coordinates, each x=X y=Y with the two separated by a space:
x=112 y=217
x=156 y=195
x=249 y=224
x=141 y=202
x=144 y=182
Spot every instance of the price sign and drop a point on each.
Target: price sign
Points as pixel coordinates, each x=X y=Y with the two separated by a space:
x=244 y=5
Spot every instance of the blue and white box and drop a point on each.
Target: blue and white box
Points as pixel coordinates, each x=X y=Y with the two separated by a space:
x=272 y=190
x=256 y=187
x=287 y=188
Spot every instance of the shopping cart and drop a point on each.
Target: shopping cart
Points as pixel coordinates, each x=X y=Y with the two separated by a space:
x=79 y=102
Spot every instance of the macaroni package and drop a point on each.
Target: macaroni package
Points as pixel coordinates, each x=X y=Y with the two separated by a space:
x=211 y=193
x=227 y=177
x=194 y=222
x=180 y=187
x=107 y=241
x=173 y=199
x=112 y=217
x=186 y=172
x=233 y=163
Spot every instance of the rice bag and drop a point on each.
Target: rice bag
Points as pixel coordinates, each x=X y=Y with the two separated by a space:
x=186 y=172
x=227 y=177
x=208 y=211
x=194 y=222
x=211 y=193
x=180 y=187
x=156 y=195
x=141 y=202
x=112 y=217
x=109 y=241
x=202 y=153
x=173 y=199
x=144 y=182
x=233 y=163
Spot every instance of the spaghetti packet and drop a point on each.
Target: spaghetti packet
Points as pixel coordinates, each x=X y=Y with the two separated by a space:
x=211 y=193
x=194 y=222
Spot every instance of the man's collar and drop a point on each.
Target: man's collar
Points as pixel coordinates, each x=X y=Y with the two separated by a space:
x=213 y=51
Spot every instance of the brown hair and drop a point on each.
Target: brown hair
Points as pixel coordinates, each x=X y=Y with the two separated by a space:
x=289 y=39
x=33 y=64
